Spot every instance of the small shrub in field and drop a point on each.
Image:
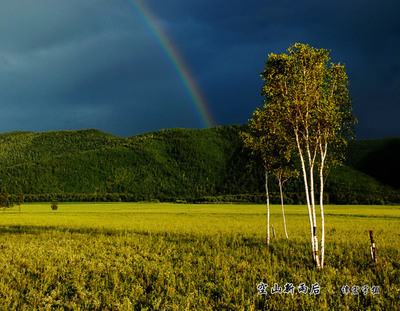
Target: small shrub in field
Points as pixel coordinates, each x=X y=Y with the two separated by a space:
x=54 y=205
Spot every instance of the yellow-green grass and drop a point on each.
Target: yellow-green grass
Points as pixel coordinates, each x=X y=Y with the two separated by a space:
x=133 y=256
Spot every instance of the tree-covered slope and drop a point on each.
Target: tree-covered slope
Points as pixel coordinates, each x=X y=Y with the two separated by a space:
x=24 y=147
x=166 y=164
x=377 y=158
x=169 y=165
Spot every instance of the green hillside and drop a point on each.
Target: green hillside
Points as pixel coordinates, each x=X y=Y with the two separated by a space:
x=167 y=165
x=377 y=158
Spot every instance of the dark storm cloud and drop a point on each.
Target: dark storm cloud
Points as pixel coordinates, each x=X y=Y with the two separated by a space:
x=81 y=64
x=233 y=39
x=77 y=64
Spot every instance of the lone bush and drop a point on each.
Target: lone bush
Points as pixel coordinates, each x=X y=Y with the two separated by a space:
x=54 y=205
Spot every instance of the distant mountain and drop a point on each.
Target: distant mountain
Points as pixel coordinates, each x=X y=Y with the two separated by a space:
x=173 y=165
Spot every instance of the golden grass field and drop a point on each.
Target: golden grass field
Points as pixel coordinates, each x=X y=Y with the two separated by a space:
x=161 y=256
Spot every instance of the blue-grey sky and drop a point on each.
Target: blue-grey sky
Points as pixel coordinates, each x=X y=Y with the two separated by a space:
x=73 y=64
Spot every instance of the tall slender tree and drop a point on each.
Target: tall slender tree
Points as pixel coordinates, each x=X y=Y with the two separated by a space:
x=283 y=173
x=312 y=102
x=257 y=138
x=266 y=138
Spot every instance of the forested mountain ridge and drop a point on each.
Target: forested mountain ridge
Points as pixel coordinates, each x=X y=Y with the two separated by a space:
x=168 y=165
x=23 y=147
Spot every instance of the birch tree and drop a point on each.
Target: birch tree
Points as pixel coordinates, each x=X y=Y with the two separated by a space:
x=283 y=173
x=257 y=139
x=266 y=138
x=312 y=102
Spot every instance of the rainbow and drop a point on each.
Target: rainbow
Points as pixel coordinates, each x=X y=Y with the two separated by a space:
x=172 y=54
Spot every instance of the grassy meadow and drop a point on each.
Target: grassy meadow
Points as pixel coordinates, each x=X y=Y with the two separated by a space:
x=143 y=256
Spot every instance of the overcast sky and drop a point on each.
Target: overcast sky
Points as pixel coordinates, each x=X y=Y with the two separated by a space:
x=73 y=64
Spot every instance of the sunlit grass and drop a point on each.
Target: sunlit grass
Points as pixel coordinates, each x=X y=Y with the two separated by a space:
x=132 y=256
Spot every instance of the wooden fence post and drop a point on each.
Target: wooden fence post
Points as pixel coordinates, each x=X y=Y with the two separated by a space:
x=373 y=246
x=273 y=231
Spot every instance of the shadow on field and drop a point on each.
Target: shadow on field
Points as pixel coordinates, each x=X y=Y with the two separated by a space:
x=277 y=247
x=363 y=216
x=18 y=229
x=37 y=230
x=214 y=240
x=293 y=253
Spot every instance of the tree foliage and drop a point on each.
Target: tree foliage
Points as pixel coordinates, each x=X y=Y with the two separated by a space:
x=54 y=205
x=311 y=103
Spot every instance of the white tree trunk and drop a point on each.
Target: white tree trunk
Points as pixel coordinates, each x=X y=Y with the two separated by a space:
x=267 y=195
x=283 y=210
x=311 y=163
x=321 y=202
x=303 y=166
x=312 y=196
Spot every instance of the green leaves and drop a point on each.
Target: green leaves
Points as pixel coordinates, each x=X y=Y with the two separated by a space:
x=309 y=97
